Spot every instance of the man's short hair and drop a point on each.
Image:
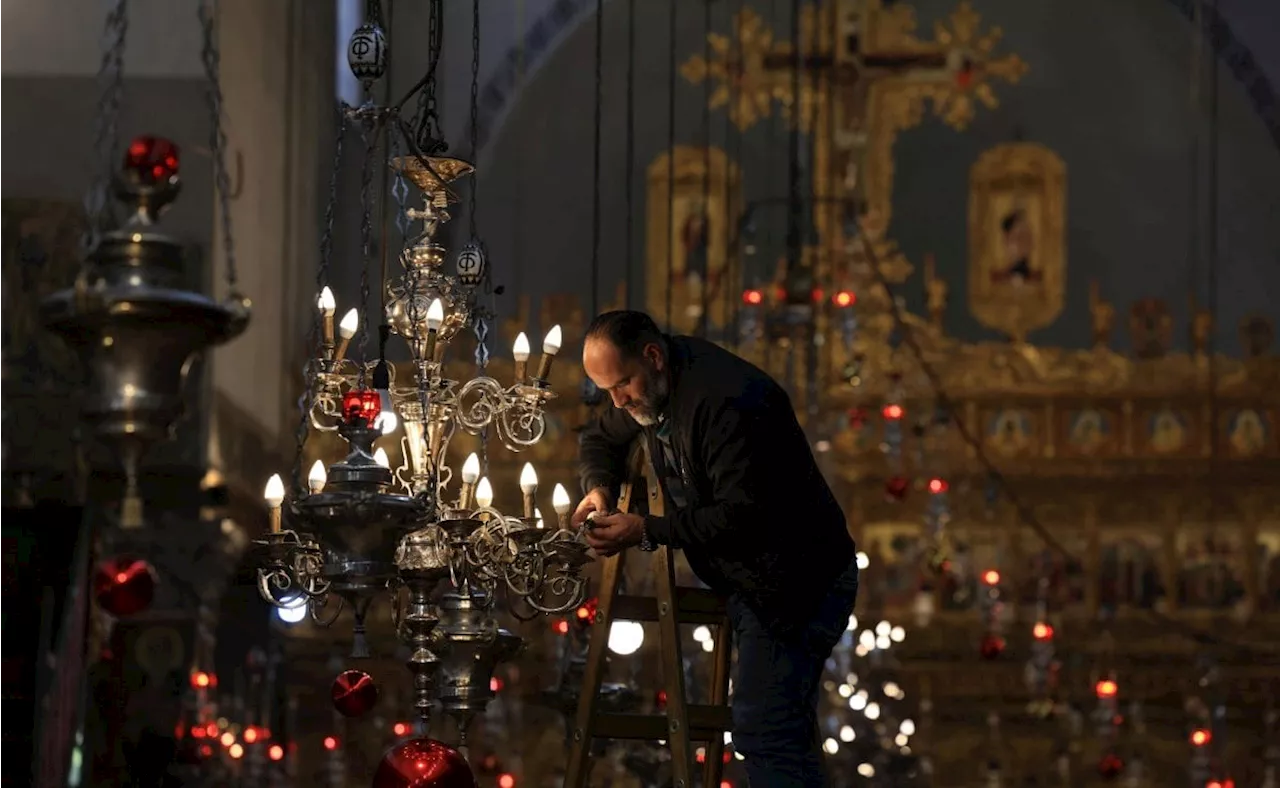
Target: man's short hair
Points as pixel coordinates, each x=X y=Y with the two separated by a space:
x=626 y=329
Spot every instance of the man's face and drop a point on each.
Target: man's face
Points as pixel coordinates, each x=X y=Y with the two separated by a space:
x=637 y=385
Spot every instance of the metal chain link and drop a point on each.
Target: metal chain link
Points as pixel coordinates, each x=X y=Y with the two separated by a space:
x=370 y=132
x=475 y=112
x=106 y=121
x=217 y=134
x=306 y=400
x=428 y=136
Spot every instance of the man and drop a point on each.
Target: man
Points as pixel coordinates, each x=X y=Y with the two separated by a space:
x=749 y=507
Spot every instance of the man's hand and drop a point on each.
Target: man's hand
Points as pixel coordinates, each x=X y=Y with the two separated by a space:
x=598 y=500
x=613 y=533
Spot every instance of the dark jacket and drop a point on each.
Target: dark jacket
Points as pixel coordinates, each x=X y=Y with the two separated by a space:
x=761 y=521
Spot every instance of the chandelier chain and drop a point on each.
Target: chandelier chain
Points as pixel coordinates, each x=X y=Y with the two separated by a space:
x=209 y=53
x=427 y=132
x=306 y=400
x=106 y=121
x=475 y=113
x=369 y=133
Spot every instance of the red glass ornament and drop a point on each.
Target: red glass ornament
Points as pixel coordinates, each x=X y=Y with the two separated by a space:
x=1042 y=631
x=938 y=486
x=124 y=586
x=1106 y=688
x=423 y=763
x=893 y=412
x=1110 y=766
x=992 y=646
x=896 y=488
x=361 y=404
x=151 y=160
x=752 y=297
x=586 y=613
x=354 y=693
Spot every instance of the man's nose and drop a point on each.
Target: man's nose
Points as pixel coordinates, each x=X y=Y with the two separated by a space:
x=620 y=398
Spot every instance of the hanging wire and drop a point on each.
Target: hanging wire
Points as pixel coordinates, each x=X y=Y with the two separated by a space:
x=734 y=275
x=671 y=159
x=218 y=135
x=704 y=291
x=1211 y=265
x=481 y=317
x=595 y=163
x=106 y=122
x=385 y=205
x=306 y=400
x=793 y=163
x=628 y=283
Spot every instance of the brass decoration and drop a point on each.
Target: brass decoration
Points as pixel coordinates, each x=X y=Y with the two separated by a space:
x=935 y=293
x=1102 y=317
x=1090 y=431
x=1151 y=328
x=753 y=70
x=1017 y=238
x=1249 y=432
x=694 y=257
x=435 y=175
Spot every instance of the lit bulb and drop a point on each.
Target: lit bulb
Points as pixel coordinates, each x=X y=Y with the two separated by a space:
x=831 y=746
x=387 y=421
x=528 y=479
x=484 y=493
x=274 y=493
x=872 y=711
x=380 y=457
x=883 y=628
x=317 y=477
x=864 y=560
x=435 y=315
x=537 y=515
x=847 y=733
x=471 y=469
x=551 y=342
x=897 y=634
x=908 y=727
x=701 y=633
x=520 y=349
x=327 y=303
x=560 y=499
x=626 y=637
x=853 y=624
x=350 y=322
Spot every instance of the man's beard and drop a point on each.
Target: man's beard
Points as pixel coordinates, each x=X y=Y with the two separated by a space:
x=647 y=409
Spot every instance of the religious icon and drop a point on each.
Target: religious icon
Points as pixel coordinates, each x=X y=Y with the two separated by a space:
x=1009 y=432
x=1017 y=238
x=1247 y=433
x=1167 y=432
x=688 y=241
x=1090 y=429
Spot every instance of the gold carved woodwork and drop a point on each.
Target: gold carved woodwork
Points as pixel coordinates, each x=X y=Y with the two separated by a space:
x=687 y=253
x=1017 y=238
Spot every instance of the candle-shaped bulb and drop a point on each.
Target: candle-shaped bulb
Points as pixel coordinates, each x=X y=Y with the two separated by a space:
x=327 y=303
x=537 y=515
x=471 y=469
x=387 y=421
x=560 y=499
x=274 y=493
x=380 y=457
x=520 y=350
x=552 y=341
x=317 y=477
x=435 y=315
x=350 y=322
x=528 y=479
x=484 y=493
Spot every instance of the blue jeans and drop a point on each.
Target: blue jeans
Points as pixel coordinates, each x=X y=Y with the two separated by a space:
x=775 y=695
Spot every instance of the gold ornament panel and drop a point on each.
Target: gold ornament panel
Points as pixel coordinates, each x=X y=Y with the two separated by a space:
x=1017 y=238
x=687 y=250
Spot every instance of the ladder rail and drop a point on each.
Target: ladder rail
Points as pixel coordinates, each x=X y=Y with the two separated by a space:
x=669 y=608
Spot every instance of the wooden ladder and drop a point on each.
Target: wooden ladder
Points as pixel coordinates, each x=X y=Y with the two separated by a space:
x=673 y=606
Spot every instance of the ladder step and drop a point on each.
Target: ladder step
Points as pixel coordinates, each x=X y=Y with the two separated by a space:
x=693 y=606
x=706 y=723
